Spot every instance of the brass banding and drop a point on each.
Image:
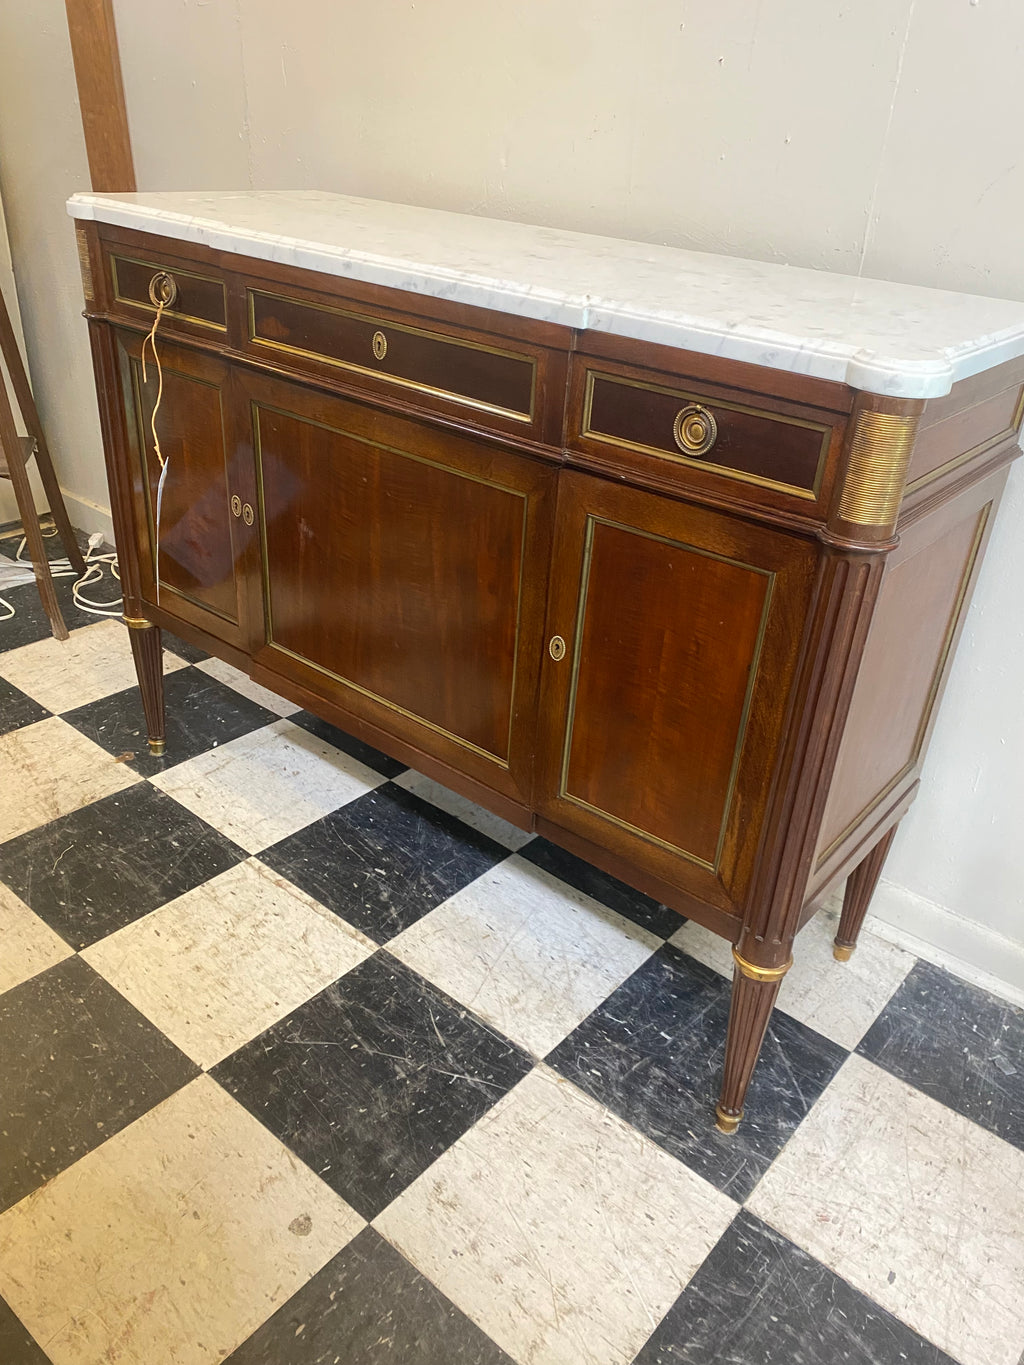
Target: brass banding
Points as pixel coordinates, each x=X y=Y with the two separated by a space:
x=157 y=747
x=726 y=1122
x=138 y=623
x=877 y=469
x=755 y=973
x=84 y=263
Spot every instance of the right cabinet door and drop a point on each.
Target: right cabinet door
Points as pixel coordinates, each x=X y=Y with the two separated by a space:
x=673 y=639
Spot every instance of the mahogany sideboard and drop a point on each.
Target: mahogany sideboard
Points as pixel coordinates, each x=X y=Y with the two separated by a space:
x=662 y=555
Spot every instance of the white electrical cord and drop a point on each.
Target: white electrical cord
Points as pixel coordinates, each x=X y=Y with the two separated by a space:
x=62 y=568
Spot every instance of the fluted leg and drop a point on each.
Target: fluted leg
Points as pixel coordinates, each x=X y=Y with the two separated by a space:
x=860 y=887
x=147 y=651
x=753 y=997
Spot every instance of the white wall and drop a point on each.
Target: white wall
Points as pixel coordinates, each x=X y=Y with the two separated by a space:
x=881 y=136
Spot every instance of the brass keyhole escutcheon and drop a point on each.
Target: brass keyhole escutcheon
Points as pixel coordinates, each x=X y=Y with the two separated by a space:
x=248 y=516
x=380 y=345
x=163 y=289
x=236 y=505
x=695 y=430
x=556 y=648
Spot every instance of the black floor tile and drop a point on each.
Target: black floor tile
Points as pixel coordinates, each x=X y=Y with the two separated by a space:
x=183 y=649
x=760 y=1300
x=601 y=886
x=16 y=1345
x=16 y=709
x=97 y=869
x=369 y=1306
x=77 y=1064
x=957 y=1043
x=653 y=1054
x=384 y=860
x=348 y=744
x=30 y=622
x=201 y=714
x=371 y=1080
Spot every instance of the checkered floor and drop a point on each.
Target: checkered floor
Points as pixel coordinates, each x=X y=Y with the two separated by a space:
x=304 y=1059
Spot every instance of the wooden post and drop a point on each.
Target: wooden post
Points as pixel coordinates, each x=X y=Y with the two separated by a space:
x=101 y=94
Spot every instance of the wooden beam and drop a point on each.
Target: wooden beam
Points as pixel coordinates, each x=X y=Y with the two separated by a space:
x=101 y=94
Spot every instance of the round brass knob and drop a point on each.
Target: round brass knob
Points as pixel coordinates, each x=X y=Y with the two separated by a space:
x=380 y=345
x=695 y=430
x=556 y=648
x=236 y=505
x=163 y=289
x=248 y=516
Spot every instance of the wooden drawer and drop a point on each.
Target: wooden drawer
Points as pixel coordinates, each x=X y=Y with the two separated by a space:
x=703 y=428
x=198 y=300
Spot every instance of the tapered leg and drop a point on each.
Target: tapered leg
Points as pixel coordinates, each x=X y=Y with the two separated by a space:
x=753 y=997
x=148 y=653
x=860 y=887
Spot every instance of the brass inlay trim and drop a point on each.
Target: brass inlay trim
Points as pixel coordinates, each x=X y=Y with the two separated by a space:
x=478 y=404
x=85 y=263
x=755 y=973
x=879 y=455
x=168 y=312
x=563 y=791
x=258 y=407
x=587 y=430
x=988 y=444
x=933 y=689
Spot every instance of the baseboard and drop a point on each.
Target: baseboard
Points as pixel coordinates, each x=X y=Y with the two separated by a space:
x=938 y=935
x=89 y=516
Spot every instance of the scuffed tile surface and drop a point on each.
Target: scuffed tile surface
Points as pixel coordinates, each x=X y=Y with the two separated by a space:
x=16 y=1345
x=263 y=786
x=225 y=961
x=50 y=769
x=384 y=860
x=369 y=1306
x=912 y=1204
x=241 y=682
x=653 y=1053
x=465 y=810
x=624 y=900
x=958 y=1044
x=16 y=709
x=840 y=1000
x=348 y=744
x=27 y=945
x=526 y=952
x=760 y=1300
x=77 y=1063
x=101 y=867
x=372 y=1079
x=561 y=1231
x=171 y=1242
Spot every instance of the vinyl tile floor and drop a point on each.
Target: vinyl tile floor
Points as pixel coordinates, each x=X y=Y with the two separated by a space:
x=306 y=1061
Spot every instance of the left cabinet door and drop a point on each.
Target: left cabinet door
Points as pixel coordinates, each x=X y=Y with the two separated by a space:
x=196 y=544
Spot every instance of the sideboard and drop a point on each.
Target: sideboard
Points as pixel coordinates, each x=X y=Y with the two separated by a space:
x=660 y=554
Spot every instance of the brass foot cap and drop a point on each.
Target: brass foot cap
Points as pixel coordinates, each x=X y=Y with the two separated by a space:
x=157 y=747
x=842 y=952
x=726 y=1123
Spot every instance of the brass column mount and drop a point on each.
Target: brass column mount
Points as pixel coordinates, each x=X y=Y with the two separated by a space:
x=878 y=450
x=755 y=973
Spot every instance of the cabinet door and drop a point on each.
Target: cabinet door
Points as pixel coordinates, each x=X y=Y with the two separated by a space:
x=663 y=715
x=205 y=551
x=404 y=573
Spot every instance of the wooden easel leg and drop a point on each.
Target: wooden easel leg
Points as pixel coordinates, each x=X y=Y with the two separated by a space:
x=754 y=990
x=10 y=444
x=860 y=887
x=147 y=651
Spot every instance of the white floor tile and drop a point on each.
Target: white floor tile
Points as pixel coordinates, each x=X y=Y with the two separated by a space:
x=27 y=944
x=557 y=1228
x=262 y=696
x=62 y=674
x=220 y=964
x=838 y=999
x=50 y=769
x=265 y=785
x=526 y=952
x=172 y=1242
x=467 y=811
x=912 y=1204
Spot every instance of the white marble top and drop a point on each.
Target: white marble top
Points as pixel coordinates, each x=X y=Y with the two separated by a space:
x=894 y=339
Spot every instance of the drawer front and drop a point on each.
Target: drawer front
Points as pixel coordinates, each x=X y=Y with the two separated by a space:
x=475 y=375
x=198 y=300
x=771 y=449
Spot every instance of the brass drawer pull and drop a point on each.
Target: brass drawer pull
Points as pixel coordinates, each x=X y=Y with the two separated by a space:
x=695 y=430
x=163 y=290
x=380 y=345
x=236 y=505
x=556 y=648
x=248 y=516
